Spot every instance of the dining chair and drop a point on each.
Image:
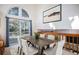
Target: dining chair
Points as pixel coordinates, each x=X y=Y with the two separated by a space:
x=27 y=50
x=56 y=50
x=60 y=47
x=16 y=48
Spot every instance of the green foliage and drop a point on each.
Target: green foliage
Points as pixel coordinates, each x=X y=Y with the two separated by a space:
x=37 y=35
x=57 y=38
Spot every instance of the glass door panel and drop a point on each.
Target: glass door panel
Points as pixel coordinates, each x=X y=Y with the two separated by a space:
x=13 y=31
x=25 y=27
x=13 y=27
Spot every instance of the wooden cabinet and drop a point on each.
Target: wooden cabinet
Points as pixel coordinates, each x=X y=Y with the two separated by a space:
x=72 y=43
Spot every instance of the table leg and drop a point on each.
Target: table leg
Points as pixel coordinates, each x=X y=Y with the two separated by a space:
x=40 y=51
x=47 y=46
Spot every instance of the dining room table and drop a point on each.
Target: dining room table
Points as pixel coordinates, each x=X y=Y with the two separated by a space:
x=41 y=42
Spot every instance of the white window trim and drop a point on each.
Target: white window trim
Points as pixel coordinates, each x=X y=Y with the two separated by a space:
x=18 y=17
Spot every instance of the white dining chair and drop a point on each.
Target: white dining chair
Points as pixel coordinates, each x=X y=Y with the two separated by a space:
x=60 y=47
x=27 y=50
x=16 y=48
x=57 y=49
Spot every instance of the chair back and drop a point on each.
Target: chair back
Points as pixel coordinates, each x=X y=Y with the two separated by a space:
x=19 y=45
x=16 y=48
x=24 y=46
x=60 y=45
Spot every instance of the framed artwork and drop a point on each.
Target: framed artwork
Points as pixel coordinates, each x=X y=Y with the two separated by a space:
x=53 y=14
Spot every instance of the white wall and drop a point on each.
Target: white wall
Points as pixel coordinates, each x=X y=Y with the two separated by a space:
x=67 y=11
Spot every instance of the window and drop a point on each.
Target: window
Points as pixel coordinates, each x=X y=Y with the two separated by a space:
x=18 y=25
x=24 y=13
x=14 y=11
x=18 y=12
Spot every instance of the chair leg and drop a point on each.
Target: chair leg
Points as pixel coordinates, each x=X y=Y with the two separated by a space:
x=54 y=45
x=23 y=53
x=47 y=46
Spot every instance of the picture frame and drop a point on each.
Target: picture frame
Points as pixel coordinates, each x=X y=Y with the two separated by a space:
x=53 y=14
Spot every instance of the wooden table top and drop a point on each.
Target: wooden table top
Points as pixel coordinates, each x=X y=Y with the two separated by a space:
x=62 y=31
x=40 y=42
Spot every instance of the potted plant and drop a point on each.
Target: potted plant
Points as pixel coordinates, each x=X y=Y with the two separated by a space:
x=37 y=35
x=57 y=38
